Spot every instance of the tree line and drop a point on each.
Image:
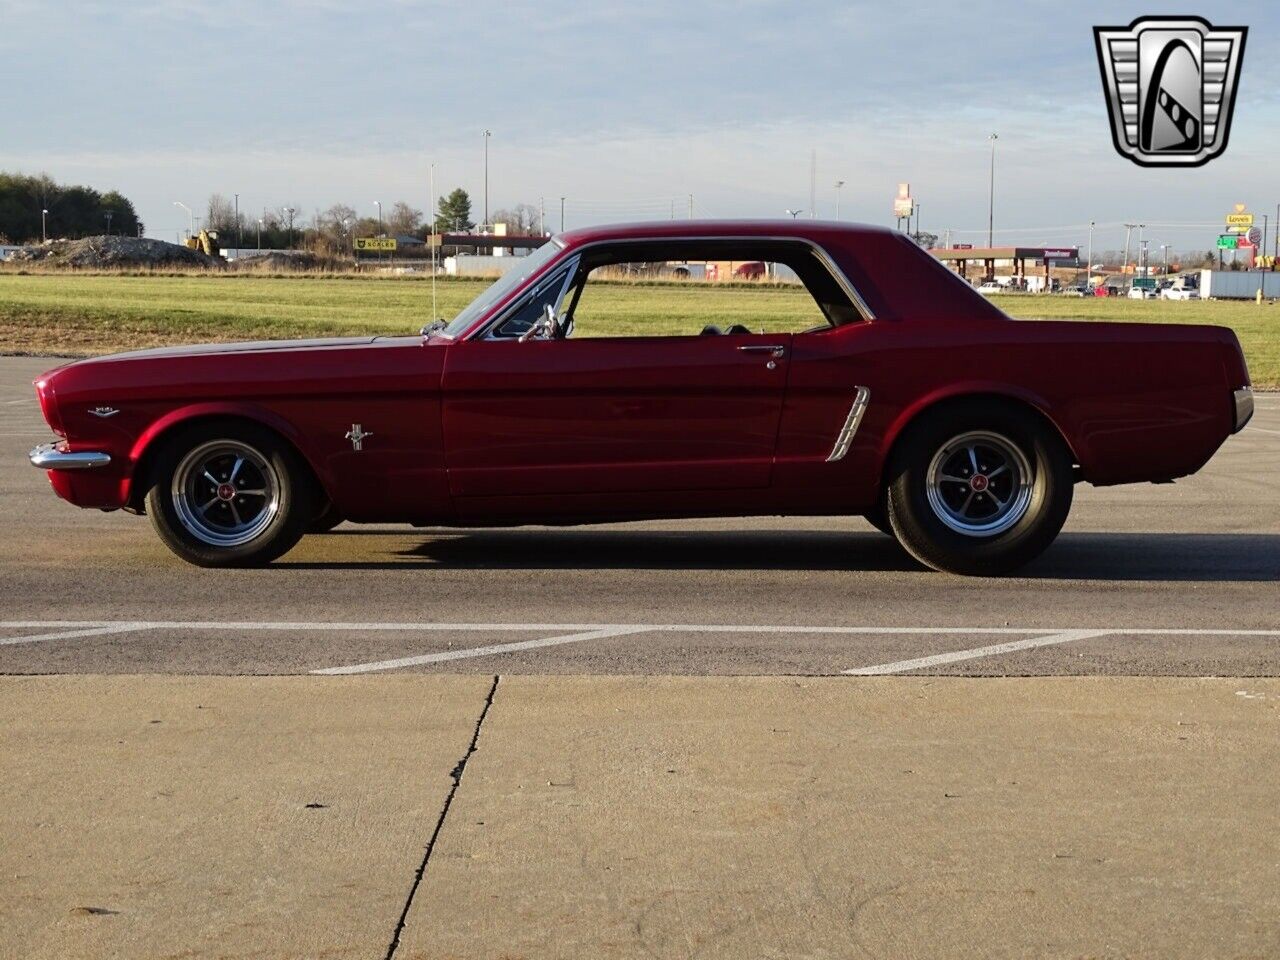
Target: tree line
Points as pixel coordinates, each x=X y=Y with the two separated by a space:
x=69 y=212
x=331 y=231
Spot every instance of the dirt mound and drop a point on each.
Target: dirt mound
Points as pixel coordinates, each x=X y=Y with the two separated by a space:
x=98 y=253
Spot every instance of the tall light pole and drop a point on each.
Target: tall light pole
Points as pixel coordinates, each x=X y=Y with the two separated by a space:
x=487 y=135
x=1164 y=248
x=991 y=195
x=562 y=214
x=261 y=220
x=239 y=232
x=839 y=184
x=1088 y=258
x=191 y=222
x=108 y=214
x=289 y=236
x=794 y=213
x=1128 y=229
x=378 y=204
x=44 y=231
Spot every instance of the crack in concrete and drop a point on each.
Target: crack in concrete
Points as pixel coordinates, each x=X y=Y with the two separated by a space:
x=456 y=775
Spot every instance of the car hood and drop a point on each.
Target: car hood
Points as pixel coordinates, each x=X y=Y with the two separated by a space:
x=254 y=346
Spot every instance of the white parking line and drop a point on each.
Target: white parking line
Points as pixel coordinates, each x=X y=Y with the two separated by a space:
x=956 y=656
x=98 y=631
x=470 y=652
x=567 y=633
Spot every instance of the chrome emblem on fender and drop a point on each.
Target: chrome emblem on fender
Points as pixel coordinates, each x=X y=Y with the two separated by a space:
x=103 y=412
x=1170 y=84
x=357 y=435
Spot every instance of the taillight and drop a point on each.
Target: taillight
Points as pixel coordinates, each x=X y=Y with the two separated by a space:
x=49 y=406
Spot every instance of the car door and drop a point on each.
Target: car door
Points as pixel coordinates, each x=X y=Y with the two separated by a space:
x=612 y=414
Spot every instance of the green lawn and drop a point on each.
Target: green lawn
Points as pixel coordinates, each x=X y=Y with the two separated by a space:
x=86 y=314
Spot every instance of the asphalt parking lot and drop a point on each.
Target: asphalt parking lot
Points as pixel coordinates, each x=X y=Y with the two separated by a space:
x=1145 y=580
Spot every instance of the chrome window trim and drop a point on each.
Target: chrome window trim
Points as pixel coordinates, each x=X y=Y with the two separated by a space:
x=825 y=258
x=844 y=439
x=48 y=457
x=519 y=302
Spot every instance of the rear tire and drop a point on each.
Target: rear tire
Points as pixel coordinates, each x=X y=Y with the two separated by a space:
x=226 y=494
x=979 y=488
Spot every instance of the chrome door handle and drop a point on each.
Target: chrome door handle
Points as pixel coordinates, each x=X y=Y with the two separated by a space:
x=777 y=349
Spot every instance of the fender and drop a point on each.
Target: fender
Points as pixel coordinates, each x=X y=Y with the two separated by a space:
x=246 y=411
x=969 y=388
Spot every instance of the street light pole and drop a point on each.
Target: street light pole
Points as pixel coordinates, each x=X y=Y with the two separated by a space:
x=260 y=234
x=991 y=195
x=289 y=236
x=191 y=223
x=839 y=184
x=794 y=213
x=44 y=231
x=1088 y=267
x=239 y=232
x=378 y=204
x=487 y=135
x=1128 y=229
x=562 y=214
x=108 y=214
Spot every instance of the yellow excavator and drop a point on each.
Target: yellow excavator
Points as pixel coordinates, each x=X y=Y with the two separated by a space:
x=206 y=243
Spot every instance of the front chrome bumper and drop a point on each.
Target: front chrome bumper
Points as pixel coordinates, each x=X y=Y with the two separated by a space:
x=1243 y=402
x=47 y=456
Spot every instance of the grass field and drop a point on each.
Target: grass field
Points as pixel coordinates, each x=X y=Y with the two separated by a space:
x=88 y=314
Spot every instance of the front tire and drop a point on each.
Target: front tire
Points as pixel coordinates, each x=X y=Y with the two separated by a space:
x=979 y=488
x=228 y=495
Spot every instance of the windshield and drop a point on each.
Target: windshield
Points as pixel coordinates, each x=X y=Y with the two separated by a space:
x=501 y=287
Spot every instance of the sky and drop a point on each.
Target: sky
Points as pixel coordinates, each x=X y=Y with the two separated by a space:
x=624 y=109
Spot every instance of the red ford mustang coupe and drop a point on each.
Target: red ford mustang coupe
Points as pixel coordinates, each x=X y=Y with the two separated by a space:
x=898 y=394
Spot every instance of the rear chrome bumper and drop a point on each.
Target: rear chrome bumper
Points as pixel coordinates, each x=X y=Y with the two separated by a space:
x=47 y=456
x=1243 y=402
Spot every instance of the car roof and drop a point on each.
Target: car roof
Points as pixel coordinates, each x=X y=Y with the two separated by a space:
x=817 y=231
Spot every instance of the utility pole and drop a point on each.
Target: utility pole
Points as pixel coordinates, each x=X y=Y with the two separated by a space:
x=691 y=206
x=1128 y=228
x=562 y=214
x=487 y=135
x=260 y=234
x=44 y=231
x=839 y=184
x=542 y=216
x=239 y=232
x=991 y=194
x=289 y=237
x=1088 y=267
x=108 y=214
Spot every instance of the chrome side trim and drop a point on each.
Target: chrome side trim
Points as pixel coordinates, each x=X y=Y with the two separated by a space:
x=1243 y=402
x=844 y=439
x=48 y=457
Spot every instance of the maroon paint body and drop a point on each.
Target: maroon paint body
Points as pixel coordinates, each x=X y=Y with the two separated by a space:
x=480 y=431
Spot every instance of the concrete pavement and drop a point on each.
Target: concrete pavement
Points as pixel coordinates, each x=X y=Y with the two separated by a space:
x=638 y=817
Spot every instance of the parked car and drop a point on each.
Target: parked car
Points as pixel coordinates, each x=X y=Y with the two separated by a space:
x=1141 y=293
x=1179 y=293
x=990 y=287
x=914 y=402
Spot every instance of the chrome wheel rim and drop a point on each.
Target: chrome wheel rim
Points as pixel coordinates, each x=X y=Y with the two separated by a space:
x=225 y=493
x=979 y=484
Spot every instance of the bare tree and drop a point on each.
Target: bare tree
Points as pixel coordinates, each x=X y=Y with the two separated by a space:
x=403 y=219
x=520 y=219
